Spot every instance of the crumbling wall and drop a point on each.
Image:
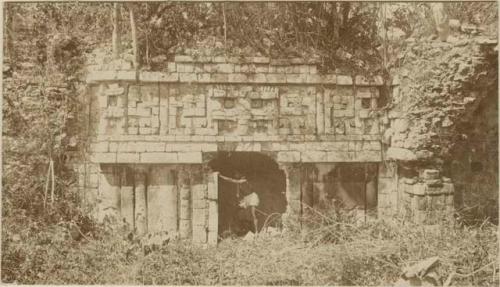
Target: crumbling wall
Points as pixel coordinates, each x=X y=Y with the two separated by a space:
x=436 y=95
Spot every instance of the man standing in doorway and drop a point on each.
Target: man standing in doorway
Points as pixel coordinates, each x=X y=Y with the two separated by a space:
x=250 y=198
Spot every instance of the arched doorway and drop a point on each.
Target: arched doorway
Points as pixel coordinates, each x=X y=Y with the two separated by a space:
x=263 y=177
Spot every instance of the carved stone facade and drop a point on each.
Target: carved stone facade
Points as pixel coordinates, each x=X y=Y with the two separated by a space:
x=156 y=133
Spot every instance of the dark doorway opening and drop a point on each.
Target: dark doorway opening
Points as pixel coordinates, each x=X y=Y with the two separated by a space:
x=354 y=185
x=263 y=177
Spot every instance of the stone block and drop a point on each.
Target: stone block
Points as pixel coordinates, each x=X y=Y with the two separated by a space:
x=209 y=147
x=171 y=67
x=294 y=206
x=260 y=60
x=257 y=78
x=183 y=58
x=126 y=75
x=417 y=189
x=219 y=78
x=127 y=157
x=158 y=157
x=169 y=77
x=101 y=76
x=189 y=157
x=188 y=77
x=296 y=78
x=313 y=156
x=344 y=80
x=198 y=191
x=403 y=154
x=289 y=156
x=338 y=156
x=329 y=79
x=204 y=78
x=422 y=202
x=154 y=146
x=198 y=217
x=199 y=203
x=224 y=68
x=430 y=174
x=244 y=146
x=185 y=228
x=369 y=156
x=185 y=68
x=100 y=147
x=262 y=69
x=219 y=59
x=364 y=81
x=146 y=76
x=199 y=234
x=145 y=130
x=103 y=157
x=237 y=78
x=313 y=79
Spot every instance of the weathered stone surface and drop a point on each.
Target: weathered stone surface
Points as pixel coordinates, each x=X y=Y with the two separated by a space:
x=126 y=157
x=313 y=156
x=159 y=157
x=162 y=200
x=109 y=189
x=189 y=157
x=140 y=203
x=289 y=156
x=403 y=154
x=127 y=198
x=430 y=174
x=103 y=157
x=369 y=156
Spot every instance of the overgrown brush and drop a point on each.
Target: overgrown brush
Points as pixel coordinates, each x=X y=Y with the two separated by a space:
x=338 y=250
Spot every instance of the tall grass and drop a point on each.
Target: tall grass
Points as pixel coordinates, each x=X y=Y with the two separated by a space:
x=331 y=249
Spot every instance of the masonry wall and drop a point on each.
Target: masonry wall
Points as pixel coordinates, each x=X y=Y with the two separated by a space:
x=179 y=119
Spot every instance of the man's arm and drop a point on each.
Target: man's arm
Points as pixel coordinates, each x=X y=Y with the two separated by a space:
x=242 y=180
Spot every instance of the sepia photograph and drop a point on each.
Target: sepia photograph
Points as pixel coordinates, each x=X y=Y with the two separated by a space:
x=250 y=143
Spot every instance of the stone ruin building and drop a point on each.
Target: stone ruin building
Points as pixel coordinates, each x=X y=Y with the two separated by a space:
x=303 y=140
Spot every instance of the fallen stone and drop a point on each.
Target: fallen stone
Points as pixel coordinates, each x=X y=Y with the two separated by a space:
x=250 y=236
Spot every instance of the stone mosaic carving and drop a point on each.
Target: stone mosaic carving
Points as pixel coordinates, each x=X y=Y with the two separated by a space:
x=143 y=110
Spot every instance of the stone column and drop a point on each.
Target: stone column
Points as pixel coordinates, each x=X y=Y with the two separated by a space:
x=127 y=197
x=183 y=184
x=293 y=211
x=371 y=186
x=162 y=200
x=387 y=190
x=199 y=204
x=213 y=208
x=140 y=201
x=319 y=190
x=109 y=191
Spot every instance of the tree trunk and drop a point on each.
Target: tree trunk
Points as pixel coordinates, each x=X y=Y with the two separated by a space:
x=346 y=7
x=133 y=29
x=116 y=31
x=441 y=20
